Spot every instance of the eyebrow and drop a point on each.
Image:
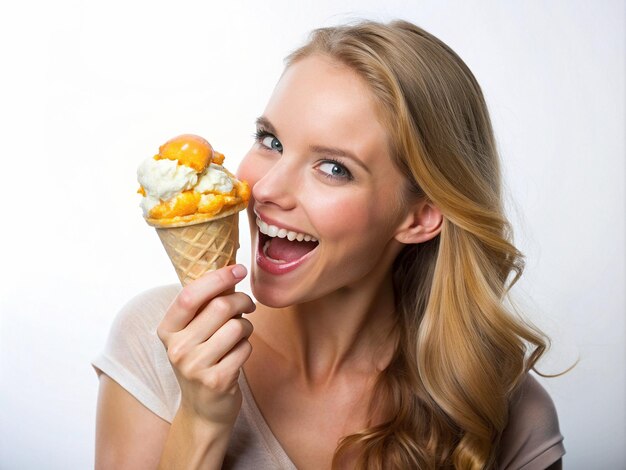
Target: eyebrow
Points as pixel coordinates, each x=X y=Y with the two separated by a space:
x=262 y=121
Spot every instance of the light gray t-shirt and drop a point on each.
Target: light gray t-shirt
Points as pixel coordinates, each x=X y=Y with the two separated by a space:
x=135 y=358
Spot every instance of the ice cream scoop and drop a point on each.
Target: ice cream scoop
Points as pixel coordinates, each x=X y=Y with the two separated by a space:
x=186 y=182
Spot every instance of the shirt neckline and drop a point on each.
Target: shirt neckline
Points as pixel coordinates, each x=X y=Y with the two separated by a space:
x=271 y=442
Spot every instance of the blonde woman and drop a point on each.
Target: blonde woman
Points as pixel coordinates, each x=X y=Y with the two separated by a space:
x=383 y=341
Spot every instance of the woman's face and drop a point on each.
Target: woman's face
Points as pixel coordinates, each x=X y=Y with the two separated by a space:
x=320 y=167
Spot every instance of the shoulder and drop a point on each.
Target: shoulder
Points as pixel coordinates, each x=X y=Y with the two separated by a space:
x=532 y=407
x=532 y=438
x=133 y=333
x=134 y=356
x=151 y=300
x=145 y=310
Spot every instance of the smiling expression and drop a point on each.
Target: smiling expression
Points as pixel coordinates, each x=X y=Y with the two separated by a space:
x=320 y=168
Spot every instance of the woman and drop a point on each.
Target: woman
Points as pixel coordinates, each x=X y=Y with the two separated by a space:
x=383 y=342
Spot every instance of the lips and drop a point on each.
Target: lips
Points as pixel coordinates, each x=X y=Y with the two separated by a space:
x=281 y=249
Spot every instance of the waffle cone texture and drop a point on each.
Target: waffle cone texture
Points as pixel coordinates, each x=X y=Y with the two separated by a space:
x=197 y=247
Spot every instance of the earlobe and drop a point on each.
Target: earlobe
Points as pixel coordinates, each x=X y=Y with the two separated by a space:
x=421 y=224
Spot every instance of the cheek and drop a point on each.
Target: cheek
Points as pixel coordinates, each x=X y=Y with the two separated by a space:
x=251 y=169
x=353 y=220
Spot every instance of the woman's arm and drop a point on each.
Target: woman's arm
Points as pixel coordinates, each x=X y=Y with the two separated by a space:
x=206 y=342
x=194 y=444
x=128 y=435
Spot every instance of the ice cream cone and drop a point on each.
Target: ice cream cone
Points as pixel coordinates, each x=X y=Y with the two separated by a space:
x=195 y=248
x=193 y=202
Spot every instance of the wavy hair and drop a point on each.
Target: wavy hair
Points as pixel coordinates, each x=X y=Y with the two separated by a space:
x=462 y=353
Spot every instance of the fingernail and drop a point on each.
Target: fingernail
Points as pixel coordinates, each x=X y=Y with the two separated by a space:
x=239 y=271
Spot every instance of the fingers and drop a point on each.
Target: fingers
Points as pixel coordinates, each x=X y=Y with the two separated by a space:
x=216 y=315
x=196 y=294
x=236 y=357
x=214 y=363
x=217 y=312
x=226 y=371
x=221 y=344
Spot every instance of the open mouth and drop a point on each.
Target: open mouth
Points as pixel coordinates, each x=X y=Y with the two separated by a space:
x=281 y=250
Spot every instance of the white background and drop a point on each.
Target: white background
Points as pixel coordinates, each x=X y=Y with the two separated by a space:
x=89 y=89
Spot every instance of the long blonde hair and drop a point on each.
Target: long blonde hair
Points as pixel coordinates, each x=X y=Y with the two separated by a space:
x=462 y=353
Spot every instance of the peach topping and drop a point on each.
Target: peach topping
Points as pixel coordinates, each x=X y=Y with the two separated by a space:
x=187 y=149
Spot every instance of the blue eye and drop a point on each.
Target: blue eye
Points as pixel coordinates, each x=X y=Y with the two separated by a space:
x=268 y=140
x=334 y=169
x=272 y=142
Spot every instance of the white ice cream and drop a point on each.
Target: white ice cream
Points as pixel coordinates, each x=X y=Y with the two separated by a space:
x=214 y=180
x=162 y=180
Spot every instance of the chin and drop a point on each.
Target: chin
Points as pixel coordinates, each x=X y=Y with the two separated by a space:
x=273 y=298
x=278 y=292
x=267 y=294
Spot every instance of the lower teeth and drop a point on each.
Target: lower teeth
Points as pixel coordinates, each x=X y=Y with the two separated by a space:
x=265 y=247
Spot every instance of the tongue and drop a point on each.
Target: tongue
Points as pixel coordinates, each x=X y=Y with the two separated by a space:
x=283 y=249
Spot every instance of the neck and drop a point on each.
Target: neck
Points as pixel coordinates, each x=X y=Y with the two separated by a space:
x=349 y=330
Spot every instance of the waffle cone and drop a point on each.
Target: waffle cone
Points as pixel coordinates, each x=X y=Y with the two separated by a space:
x=197 y=248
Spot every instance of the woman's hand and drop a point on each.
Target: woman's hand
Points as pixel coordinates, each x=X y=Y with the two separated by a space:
x=207 y=343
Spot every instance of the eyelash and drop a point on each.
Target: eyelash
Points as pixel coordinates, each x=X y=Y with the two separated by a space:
x=347 y=177
x=261 y=134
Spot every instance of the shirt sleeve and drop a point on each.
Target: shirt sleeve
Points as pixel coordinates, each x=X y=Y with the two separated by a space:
x=135 y=357
x=532 y=439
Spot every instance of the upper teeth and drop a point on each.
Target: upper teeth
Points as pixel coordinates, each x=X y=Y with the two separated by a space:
x=273 y=231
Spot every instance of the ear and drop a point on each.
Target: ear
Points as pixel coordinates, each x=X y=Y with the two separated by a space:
x=422 y=223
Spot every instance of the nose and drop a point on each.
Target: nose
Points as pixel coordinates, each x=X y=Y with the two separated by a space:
x=278 y=186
